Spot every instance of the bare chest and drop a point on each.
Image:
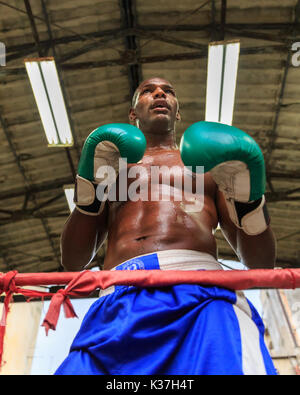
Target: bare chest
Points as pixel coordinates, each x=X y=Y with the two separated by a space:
x=161 y=176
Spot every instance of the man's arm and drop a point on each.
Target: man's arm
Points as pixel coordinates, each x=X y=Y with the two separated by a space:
x=87 y=227
x=256 y=252
x=82 y=236
x=236 y=164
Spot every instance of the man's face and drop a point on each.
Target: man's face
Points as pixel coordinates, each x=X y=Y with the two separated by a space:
x=155 y=105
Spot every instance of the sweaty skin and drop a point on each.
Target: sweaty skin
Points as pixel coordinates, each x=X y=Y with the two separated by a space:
x=137 y=228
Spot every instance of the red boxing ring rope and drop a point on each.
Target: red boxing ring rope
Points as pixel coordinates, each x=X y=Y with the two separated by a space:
x=81 y=284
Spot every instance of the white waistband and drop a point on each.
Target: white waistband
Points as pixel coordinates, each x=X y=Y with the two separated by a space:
x=177 y=260
x=183 y=260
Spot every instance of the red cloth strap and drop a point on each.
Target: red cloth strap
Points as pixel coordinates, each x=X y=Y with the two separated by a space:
x=76 y=287
x=8 y=286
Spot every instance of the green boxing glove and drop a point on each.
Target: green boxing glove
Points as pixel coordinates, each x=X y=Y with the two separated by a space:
x=100 y=154
x=237 y=166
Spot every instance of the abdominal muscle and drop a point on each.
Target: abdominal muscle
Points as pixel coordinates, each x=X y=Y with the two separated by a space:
x=142 y=227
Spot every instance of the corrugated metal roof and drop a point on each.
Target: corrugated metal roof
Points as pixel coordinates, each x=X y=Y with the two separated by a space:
x=103 y=50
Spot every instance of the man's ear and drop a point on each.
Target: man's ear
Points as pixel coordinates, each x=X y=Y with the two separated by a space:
x=178 y=116
x=132 y=116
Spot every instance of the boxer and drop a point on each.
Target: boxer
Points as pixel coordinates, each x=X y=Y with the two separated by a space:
x=183 y=329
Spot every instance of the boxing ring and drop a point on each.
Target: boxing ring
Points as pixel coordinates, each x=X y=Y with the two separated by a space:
x=82 y=284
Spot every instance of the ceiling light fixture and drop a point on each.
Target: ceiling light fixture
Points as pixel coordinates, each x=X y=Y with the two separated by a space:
x=48 y=95
x=222 y=70
x=69 y=192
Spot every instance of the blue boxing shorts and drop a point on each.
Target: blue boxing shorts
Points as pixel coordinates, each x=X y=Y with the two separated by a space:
x=183 y=329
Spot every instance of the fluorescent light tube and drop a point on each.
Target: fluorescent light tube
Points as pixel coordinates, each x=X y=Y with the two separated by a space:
x=69 y=192
x=221 y=81
x=48 y=95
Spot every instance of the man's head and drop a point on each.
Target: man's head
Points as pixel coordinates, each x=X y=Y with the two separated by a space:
x=155 y=106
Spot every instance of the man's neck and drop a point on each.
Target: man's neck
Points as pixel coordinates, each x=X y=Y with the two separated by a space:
x=156 y=141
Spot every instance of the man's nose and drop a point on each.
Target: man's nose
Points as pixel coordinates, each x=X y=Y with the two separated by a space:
x=159 y=93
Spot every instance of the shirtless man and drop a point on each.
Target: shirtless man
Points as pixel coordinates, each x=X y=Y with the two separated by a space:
x=184 y=329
